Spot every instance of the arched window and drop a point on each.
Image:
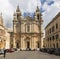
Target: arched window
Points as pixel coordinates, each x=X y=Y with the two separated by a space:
x=38 y=16
x=28 y=28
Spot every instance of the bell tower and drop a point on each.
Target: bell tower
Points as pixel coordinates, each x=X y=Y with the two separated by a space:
x=37 y=14
x=18 y=13
x=17 y=16
x=38 y=18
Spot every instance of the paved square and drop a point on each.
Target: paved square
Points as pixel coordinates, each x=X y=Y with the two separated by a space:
x=29 y=55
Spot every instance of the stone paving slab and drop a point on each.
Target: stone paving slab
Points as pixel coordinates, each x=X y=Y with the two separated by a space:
x=29 y=55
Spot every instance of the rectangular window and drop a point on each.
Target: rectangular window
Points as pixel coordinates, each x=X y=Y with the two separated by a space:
x=50 y=30
x=53 y=29
x=28 y=28
x=53 y=38
x=57 y=36
x=56 y=25
x=50 y=38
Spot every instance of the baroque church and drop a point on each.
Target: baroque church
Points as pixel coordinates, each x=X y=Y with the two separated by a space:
x=27 y=30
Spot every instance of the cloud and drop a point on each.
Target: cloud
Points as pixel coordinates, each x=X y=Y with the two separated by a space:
x=43 y=1
x=7 y=10
x=49 y=9
x=50 y=3
x=26 y=5
x=6 y=7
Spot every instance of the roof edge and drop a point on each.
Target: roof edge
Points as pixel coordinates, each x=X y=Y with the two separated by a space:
x=53 y=19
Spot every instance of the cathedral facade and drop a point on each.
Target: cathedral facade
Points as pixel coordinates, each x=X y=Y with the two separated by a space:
x=27 y=31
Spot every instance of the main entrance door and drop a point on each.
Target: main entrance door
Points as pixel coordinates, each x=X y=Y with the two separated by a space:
x=28 y=44
x=17 y=45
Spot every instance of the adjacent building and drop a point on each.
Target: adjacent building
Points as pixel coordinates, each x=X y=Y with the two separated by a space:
x=4 y=35
x=27 y=31
x=7 y=39
x=52 y=33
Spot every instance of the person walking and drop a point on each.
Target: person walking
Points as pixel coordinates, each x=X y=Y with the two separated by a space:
x=4 y=53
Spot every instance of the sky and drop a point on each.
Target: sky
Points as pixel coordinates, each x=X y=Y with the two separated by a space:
x=48 y=8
